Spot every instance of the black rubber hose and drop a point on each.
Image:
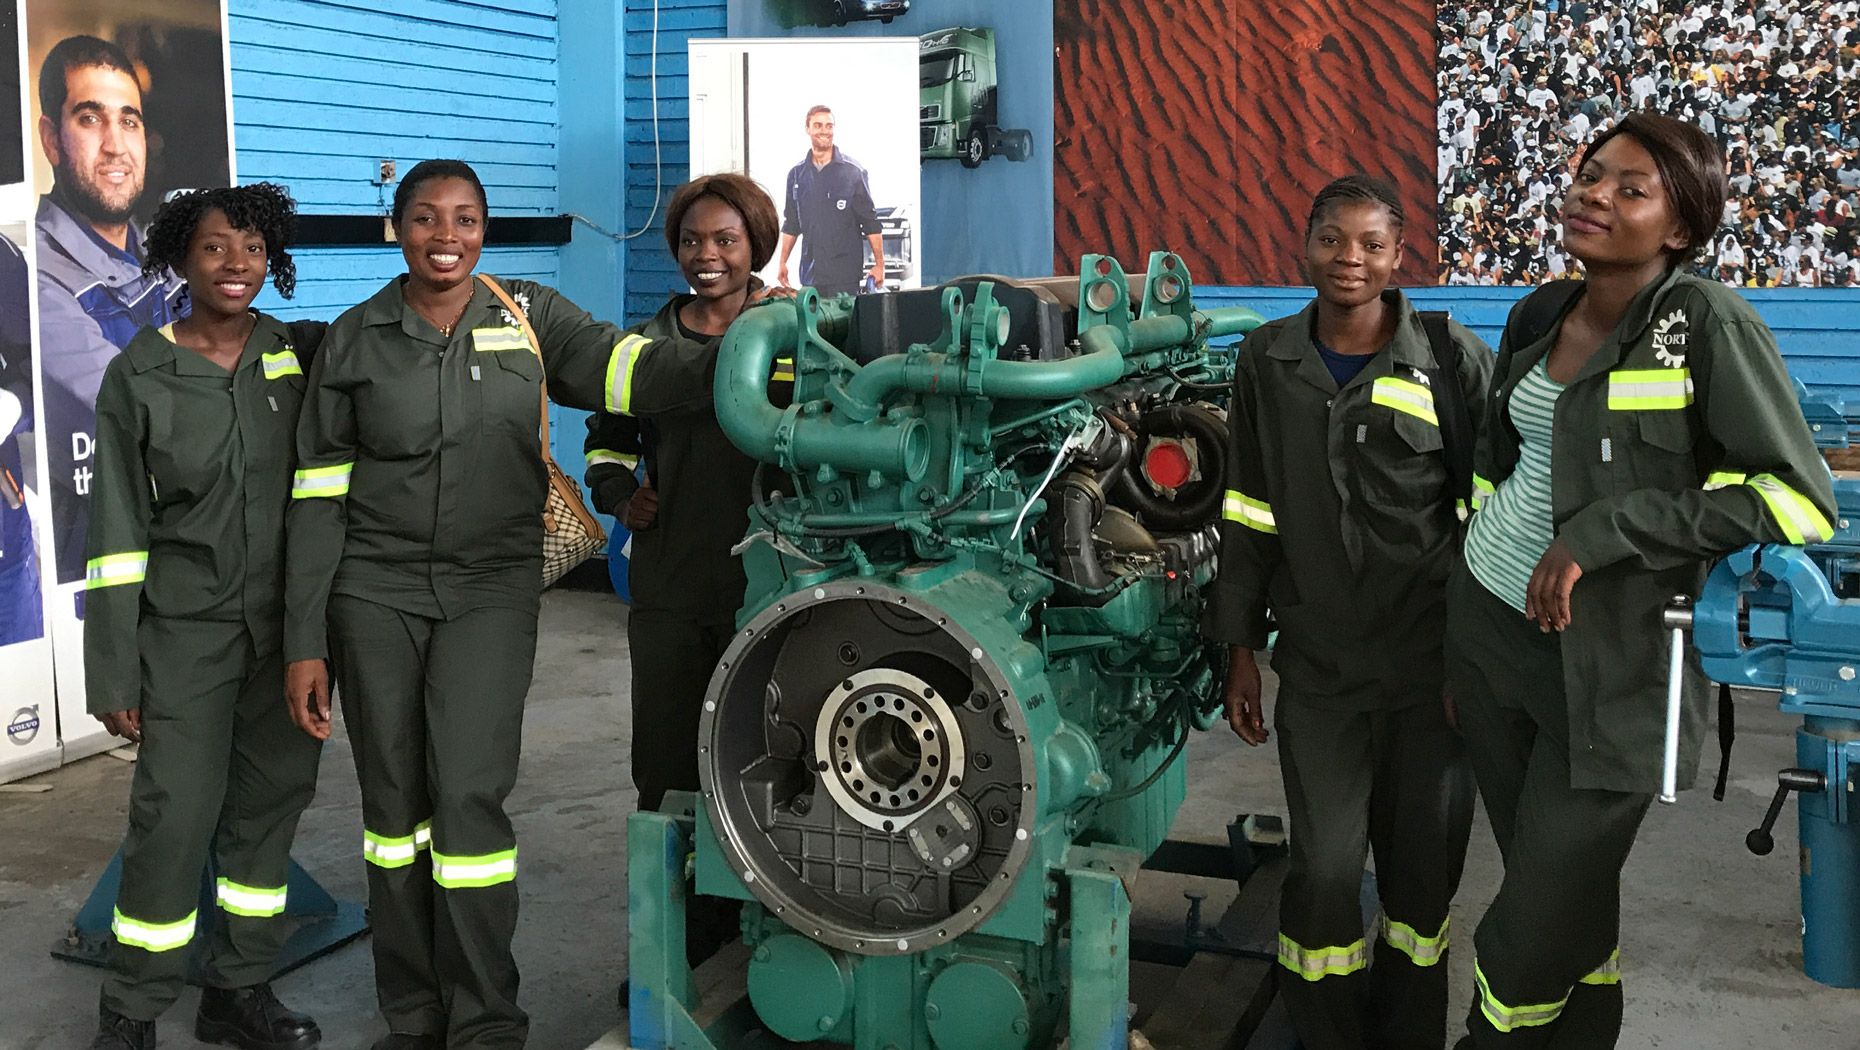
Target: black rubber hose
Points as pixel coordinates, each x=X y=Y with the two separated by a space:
x=1202 y=503
x=1074 y=514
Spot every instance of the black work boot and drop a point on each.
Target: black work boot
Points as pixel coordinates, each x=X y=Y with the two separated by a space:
x=116 y=1032
x=252 y=1018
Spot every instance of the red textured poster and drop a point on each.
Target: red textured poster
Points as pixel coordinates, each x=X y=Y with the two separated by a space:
x=1205 y=127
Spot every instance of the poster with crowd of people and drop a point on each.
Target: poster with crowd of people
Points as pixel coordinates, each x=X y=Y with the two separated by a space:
x=1524 y=83
x=118 y=105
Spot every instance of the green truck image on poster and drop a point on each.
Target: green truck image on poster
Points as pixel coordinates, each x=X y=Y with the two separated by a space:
x=958 y=110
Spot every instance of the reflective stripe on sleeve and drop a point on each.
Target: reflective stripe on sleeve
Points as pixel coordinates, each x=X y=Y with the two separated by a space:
x=113 y=569
x=1801 y=522
x=1423 y=950
x=281 y=364
x=258 y=902
x=784 y=370
x=322 y=481
x=1506 y=1017
x=396 y=851
x=1315 y=964
x=1405 y=396
x=1481 y=489
x=599 y=456
x=152 y=936
x=620 y=366
x=1253 y=513
x=458 y=871
x=1722 y=479
x=1649 y=389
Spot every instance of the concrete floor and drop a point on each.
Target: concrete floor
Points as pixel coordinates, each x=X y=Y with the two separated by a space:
x=1710 y=944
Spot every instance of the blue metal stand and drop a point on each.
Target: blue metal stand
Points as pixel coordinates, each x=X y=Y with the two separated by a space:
x=323 y=923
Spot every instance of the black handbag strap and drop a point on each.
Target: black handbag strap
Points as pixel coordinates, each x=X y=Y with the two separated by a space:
x=1456 y=430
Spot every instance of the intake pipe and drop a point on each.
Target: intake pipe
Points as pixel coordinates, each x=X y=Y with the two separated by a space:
x=900 y=448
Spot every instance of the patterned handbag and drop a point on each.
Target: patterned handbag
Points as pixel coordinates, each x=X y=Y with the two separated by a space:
x=571 y=532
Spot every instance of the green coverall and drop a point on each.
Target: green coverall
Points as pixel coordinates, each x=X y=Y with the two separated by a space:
x=183 y=618
x=1340 y=519
x=416 y=529
x=1678 y=441
x=686 y=585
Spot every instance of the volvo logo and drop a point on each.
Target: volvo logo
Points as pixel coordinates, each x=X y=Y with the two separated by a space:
x=24 y=727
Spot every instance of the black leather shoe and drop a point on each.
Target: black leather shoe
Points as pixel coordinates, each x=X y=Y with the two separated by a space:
x=116 y=1032
x=406 y=1041
x=252 y=1018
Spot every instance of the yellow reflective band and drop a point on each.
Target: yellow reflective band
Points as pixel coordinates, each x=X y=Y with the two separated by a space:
x=1405 y=396
x=322 y=481
x=1607 y=973
x=113 y=569
x=784 y=370
x=493 y=339
x=620 y=365
x=1424 y=950
x=599 y=456
x=1504 y=1017
x=258 y=902
x=396 y=851
x=1721 y=479
x=1481 y=489
x=1315 y=964
x=484 y=869
x=1254 y=514
x=1801 y=522
x=1649 y=389
x=281 y=364
x=152 y=936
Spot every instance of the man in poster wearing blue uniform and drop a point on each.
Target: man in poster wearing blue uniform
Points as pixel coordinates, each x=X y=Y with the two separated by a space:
x=828 y=207
x=93 y=297
x=21 y=619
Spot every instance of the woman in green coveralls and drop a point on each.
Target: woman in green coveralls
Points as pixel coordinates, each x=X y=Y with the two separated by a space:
x=693 y=504
x=184 y=623
x=1641 y=424
x=416 y=536
x=1341 y=517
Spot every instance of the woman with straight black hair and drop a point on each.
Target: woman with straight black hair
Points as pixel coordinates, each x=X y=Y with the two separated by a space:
x=1641 y=424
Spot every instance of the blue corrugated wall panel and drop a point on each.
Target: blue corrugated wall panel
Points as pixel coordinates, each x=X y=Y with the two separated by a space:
x=322 y=89
x=1818 y=329
x=654 y=168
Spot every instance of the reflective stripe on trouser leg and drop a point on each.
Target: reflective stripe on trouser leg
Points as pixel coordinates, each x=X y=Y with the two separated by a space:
x=478 y=670
x=270 y=784
x=1327 y=763
x=458 y=872
x=379 y=659
x=192 y=673
x=1509 y=1017
x=1420 y=949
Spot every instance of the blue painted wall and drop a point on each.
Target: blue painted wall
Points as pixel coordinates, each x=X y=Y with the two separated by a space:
x=658 y=153
x=1818 y=330
x=324 y=88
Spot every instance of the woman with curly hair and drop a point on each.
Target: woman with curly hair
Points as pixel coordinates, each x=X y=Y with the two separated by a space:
x=184 y=620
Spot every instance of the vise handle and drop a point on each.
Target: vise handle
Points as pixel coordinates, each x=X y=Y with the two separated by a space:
x=1760 y=841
